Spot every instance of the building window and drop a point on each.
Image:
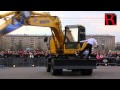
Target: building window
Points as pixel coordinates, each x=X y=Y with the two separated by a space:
x=32 y=45
x=12 y=43
x=20 y=40
x=96 y=38
x=31 y=38
x=39 y=37
x=12 y=38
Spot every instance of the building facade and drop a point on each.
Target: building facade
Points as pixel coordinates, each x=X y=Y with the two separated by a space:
x=16 y=42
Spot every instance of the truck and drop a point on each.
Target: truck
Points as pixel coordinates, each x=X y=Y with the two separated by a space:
x=63 y=52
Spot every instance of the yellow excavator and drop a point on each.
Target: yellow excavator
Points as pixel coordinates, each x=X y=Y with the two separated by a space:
x=64 y=49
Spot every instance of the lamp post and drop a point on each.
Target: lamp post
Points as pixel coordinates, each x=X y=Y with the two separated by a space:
x=103 y=46
x=15 y=46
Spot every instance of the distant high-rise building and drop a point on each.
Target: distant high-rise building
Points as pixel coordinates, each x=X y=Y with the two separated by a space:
x=15 y=42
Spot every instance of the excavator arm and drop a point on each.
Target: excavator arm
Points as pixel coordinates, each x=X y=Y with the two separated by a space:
x=7 y=14
x=31 y=18
x=11 y=22
x=49 y=21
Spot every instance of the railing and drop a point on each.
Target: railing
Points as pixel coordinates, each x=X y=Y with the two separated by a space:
x=29 y=62
x=109 y=62
x=22 y=62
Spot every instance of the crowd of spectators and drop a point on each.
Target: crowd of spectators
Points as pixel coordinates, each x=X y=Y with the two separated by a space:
x=23 y=53
x=111 y=57
x=100 y=56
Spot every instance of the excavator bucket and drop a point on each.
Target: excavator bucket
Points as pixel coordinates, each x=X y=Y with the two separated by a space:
x=8 y=27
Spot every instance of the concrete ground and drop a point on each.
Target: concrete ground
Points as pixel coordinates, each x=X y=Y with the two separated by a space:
x=102 y=72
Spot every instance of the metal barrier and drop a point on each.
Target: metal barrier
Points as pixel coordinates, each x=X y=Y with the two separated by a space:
x=2 y=66
x=1 y=63
x=108 y=62
x=22 y=62
x=29 y=62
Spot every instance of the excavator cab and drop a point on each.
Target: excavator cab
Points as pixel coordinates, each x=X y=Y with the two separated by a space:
x=77 y=33
x=73 y=35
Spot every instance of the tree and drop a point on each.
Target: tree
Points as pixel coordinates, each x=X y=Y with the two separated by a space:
x=3 y=45
x=19 y=46
x=106 y=50
x=40 y=45
x=117 y=48
x=12 y=48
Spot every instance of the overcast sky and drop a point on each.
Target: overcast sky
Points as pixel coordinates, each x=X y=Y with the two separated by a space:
x=92 y=20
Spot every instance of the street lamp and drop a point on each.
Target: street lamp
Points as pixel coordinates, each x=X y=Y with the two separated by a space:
x=103 y=46
x=15 y=46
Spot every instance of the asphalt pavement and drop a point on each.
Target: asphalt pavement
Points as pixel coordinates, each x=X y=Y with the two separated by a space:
x=102 y=72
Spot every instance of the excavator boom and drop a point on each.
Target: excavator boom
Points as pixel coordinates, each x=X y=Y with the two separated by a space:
x=49 y=21
x=21 y=18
